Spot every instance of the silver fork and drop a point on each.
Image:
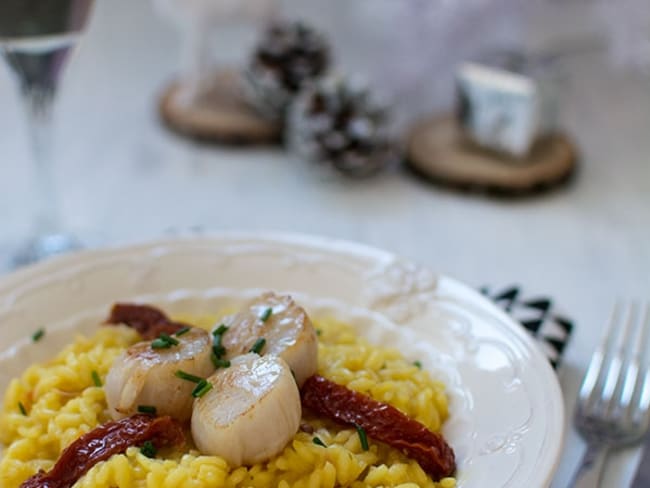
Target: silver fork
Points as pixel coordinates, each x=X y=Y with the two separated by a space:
x=613 y=409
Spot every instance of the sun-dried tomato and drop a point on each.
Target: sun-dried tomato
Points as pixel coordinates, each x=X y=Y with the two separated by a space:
x=381 y=422
x=147 y=320
x=102 y=443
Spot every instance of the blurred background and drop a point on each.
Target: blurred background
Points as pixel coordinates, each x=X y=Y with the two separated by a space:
x=119 y=171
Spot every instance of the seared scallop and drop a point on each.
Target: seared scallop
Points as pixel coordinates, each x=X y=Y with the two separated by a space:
x=273 y=324
x=252 y=411
x=146 y=375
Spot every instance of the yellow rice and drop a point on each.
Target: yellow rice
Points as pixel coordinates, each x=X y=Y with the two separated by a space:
x=62 y=403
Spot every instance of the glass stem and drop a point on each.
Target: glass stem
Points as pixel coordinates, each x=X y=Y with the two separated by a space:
x=39 y=100
x=195 y=60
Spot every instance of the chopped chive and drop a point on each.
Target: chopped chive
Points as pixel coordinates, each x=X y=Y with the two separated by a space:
x=147 y=409
x=38 y=335
x=266 y=314
x=258 y=346
x=218 y=350
x=319 y=332
x=164 y=342
x=417 y=364
x=221 y=330
x=219 y=363
x=148 y=450
x=201 y=389
x=160 y=344
x=96 y=379
x=217 y=340
x=363 y=438
x=188 y=377
x=182 y=331
x=169 y=339
x=318 y=442
x=22 y=409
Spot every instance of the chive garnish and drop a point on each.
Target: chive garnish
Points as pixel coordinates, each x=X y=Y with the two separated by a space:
x=258 y=346
x=148 y=409
x=417 y=364
x=219 y=363
x=218 y=350
x=319 y=332
x=363 y=438
x=221 y=330
x=22 y=409
x=160 y=344
x=266 y=314
x=318 y=442
x=182 y=331
x=169 y=339
x=38 y=335
x=217 y=346
x=148 y=450
x=188 y=377
x=164 y=342
x=217 y=339
x=201 y=389
x=96 y=379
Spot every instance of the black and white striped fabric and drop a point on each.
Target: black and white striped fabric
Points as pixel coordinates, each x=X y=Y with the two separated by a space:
x=538 y=315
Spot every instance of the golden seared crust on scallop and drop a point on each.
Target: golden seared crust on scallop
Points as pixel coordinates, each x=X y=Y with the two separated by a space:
x=286 y=328
x=144 y=376
x=251 y=413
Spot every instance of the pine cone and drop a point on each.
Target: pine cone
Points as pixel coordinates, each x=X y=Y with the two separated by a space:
x=289 y=55
x=342 y=123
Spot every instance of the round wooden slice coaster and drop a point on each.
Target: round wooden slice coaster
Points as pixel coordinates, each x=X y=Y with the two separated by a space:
x=221 y=114
x=438 y=151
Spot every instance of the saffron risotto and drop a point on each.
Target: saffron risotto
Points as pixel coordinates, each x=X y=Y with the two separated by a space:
x=62 y=401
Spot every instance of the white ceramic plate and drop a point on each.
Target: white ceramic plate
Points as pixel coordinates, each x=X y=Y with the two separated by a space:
x=507 y=416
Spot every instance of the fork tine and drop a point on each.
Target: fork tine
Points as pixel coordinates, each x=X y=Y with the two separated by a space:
x=589 y=392
x=643 y=386
x=633 y=372
x=619 y=361
x=643 y=405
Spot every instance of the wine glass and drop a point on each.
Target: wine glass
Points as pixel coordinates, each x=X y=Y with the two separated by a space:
x=36 y=38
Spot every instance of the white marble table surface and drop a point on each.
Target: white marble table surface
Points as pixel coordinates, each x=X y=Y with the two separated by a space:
x=119 y=171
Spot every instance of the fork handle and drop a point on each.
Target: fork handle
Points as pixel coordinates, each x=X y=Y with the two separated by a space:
x=591 y=467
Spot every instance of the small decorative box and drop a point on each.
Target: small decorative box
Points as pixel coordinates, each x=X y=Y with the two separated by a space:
x=505 y=108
